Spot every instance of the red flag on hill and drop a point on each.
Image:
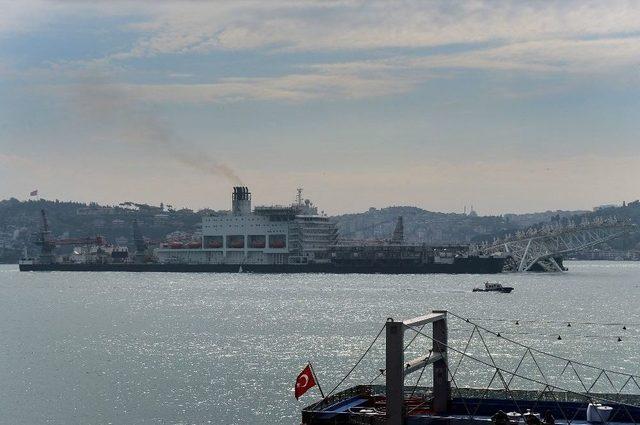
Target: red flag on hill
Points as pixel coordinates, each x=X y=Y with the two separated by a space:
x=304 y=381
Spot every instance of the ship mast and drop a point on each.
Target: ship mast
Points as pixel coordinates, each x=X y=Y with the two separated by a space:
x=299 y=197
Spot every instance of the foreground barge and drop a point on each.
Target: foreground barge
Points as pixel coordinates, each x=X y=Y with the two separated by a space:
x=366 y=404
x=447 y=403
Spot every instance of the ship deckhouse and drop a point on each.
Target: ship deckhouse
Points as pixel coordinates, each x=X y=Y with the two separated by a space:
x=294 y=234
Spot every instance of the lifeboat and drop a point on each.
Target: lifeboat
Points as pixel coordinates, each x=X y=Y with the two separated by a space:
x=277 y=244
x=176 y=245
x=215 y=244
x=194 y=244
x=257 y=244
x=237 y=243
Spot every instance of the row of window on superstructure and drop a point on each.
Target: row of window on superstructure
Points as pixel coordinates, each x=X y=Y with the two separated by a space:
x=273 y=241
x=256 y=225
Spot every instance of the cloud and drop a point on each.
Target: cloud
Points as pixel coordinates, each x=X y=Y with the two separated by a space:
x=290 y=88
x=369 y=78
x=402 y=44
x=19 y=17
x=287 y=88
x=576 y=56
x=383 y=77
x=177 y=28
x=557 y=55
x=13 y=160
x=289 y=52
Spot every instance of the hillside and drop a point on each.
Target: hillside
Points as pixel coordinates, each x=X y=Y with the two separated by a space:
x=629 y=211
x=420 y=225
x=438 y=228
x=19 y=219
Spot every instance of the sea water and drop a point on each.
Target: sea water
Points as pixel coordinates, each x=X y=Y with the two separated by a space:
x=154 y=348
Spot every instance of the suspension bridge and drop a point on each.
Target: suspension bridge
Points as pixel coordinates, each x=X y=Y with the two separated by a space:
x=542 y=249
x=554 y=390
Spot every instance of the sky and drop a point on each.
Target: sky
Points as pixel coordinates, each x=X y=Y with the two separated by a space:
x=509 y=106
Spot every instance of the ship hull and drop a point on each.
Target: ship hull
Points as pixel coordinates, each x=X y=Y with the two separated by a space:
x=464 y=266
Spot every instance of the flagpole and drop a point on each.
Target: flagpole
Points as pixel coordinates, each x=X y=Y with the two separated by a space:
x=316 y=379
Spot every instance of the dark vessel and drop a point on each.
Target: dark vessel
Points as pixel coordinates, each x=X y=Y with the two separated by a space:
x=475 y=265
x=494 y=287
x=271 y=239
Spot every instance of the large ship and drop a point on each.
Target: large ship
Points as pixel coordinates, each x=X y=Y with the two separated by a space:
x=266 y=239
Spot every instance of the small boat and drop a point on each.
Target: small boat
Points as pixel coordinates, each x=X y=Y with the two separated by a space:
x=493 y=287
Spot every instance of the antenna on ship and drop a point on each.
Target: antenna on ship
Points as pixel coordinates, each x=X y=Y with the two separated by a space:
x=299 y=196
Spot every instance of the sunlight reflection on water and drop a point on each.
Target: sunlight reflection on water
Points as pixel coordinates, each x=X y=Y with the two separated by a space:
x=225 y=348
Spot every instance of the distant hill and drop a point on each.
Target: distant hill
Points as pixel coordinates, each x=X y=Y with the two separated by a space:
x=531 y=219
x=20 y=219
x=629 y=211
x=438 y=228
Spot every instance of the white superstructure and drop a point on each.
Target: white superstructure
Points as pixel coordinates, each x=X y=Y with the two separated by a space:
x=294 y=234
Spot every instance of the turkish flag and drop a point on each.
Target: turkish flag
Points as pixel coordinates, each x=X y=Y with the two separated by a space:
x=304 y=381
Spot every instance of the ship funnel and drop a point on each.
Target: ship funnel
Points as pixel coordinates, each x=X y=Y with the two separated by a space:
x=241 y=200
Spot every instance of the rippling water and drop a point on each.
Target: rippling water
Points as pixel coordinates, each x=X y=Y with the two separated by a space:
x=121 y=348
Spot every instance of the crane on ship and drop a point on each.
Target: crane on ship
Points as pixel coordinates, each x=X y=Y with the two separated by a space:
x=542 y=249
x=47 y=243
x=44 y=240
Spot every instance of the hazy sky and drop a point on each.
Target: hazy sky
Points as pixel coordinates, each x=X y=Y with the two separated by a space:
x=509 y=106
